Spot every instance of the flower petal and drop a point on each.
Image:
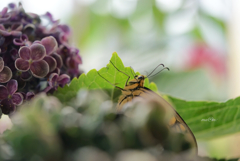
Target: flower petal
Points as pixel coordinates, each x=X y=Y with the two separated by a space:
x=29 y=29
x=16 y=33
x=1 y=64
x=4 y=11
x=12 y=86
x=63 y=79
x=18 y=42
x=2 y=27
x=17 y=98
x=50 y=44
x=12 y=5
x=22 y=65
x=78 y=59
x=39 y=69
x=23 y=94
x=57 y=71
x=29 y=95
x=24 y=37
x=17 y=27
x=37 y=42
x=71 y=63
x=65 y=29
x=58 y=59
x=49 y=89
x=74 y=72
x=5 y=75
x=7 y=106
x=24 y=53
x=63 y=37
x=3 y=92
x=37 y=51
x=53 y=79
x=4 y=33
x=49 y=16
x=51 y=62
x=6 y=17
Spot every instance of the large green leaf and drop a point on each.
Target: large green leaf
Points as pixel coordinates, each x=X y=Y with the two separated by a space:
x=209 y=120
x=93 y=81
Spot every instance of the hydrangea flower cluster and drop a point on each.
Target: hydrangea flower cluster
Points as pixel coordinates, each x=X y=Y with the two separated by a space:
x=33 y=58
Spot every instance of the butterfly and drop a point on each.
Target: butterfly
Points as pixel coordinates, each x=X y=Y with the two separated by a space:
x=135 y=88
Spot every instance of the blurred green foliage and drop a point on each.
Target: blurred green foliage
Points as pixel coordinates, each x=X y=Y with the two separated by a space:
x=44 y=129
x=90 y=129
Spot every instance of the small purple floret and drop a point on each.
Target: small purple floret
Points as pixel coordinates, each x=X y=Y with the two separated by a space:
x=4 y=16
x=14 y=30
x=5 y=72
x=32 y=58
x=55 y=80
x=23 y=40
x=9 y=97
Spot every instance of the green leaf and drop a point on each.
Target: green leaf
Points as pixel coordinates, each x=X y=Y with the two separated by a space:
x=209 y=120
x=92 y=80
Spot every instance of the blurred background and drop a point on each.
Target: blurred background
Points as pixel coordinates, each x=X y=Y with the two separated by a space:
x=196 y=39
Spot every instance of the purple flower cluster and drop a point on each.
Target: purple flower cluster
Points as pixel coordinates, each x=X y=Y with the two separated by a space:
x=33 y=58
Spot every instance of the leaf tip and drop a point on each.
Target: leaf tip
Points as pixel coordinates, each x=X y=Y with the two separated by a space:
x=114 y=53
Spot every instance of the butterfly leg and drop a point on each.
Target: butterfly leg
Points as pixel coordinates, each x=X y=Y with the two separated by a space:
x=133 y=73
x=111 y=83
x=123 y=73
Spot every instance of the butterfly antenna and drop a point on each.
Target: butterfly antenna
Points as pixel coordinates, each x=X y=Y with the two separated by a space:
x=121 y=72
x=160 y=71
x=155 y=69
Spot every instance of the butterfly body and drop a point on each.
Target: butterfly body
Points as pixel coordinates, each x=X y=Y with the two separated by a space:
x=131 y=90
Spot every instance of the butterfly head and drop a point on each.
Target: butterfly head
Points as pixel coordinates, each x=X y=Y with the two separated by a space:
x=140 y=79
